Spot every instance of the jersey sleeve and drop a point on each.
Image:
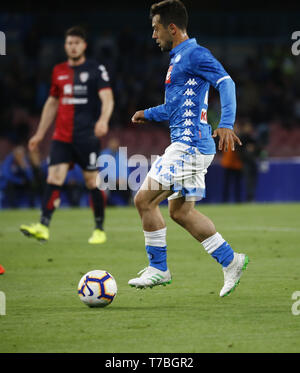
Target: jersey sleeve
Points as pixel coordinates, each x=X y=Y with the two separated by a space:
x=54 y=89
x=226 y=90
x=157 y=113
x=103 y=79
x=205 y=65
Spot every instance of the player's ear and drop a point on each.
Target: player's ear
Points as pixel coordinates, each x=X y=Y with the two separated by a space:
x=172 y=29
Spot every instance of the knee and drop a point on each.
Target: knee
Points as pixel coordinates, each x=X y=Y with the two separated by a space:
x=90 y=180
x=90 y=184
x=140 y=202
x=55 y=179
x=177 y=215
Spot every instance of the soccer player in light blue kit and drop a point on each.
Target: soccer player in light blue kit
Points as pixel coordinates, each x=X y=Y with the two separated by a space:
x=179 y=174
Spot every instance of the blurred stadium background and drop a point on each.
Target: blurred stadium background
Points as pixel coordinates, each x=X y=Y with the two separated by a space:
x=254 y=46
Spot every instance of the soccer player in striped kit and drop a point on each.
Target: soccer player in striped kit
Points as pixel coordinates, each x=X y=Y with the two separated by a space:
x=81 y=101
x=179 y=174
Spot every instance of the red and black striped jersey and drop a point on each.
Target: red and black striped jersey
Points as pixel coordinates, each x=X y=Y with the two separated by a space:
x=77 y=89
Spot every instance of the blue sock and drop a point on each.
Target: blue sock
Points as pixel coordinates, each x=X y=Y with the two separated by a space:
x=157 y=257
x=224 y=254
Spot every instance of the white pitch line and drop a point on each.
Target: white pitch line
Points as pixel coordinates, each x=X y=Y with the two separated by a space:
x=139 y=229
x=262 y=228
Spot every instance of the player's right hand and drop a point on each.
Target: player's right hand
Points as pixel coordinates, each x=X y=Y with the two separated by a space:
x=34 y=142
x=139 y=117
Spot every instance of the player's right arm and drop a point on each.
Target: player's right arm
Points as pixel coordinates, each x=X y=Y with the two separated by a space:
x=48 y=115
x=156 y=114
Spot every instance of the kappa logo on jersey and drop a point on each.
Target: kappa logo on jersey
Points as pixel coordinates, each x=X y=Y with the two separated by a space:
x=186 y=138
x=168 y=77
x=187 y=132
x=189 y=92
x=188 y=122
x=188 y=113
x=203 y=117
x=84 y=76
x=188 y=102
x=191 y=82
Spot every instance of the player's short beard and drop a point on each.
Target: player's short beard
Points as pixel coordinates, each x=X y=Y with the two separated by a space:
x=167 y=47
x=76 y=58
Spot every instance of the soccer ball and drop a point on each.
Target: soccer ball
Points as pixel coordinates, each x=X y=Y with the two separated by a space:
x=97 y=288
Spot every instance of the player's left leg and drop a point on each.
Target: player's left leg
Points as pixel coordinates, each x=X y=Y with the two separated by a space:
x=203 y=229
x=98 y=206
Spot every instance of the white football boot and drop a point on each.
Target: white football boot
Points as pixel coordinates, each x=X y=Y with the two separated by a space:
x=150 y=277
x=233 y=273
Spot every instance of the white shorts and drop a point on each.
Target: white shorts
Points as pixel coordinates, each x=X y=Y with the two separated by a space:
x=182 y=169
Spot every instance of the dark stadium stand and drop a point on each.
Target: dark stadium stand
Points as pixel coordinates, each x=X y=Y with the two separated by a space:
x=256 y=55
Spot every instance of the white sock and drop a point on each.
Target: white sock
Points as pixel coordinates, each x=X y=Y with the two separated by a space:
x=213 y=242
x=156 y=238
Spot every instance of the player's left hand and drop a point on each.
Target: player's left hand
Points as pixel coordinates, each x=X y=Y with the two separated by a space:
x=227 y=138
x=101 y=128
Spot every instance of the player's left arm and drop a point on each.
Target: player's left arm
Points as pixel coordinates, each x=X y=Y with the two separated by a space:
x=107 y=106
x=205 y=65
x=227 y=137
x=107 y=101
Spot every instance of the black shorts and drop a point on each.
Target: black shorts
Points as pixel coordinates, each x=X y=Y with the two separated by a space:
x=83 y=153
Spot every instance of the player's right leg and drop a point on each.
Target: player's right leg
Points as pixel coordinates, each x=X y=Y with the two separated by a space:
x=147 y=202
x=60 y=156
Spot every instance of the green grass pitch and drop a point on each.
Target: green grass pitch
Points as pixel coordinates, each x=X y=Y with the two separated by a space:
x=44 y=313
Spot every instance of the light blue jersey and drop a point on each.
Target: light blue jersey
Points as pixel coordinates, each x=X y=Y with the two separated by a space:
x=191 y=72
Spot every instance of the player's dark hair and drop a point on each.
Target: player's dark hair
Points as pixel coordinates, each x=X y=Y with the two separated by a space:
x=76 y=31
x=171 y=11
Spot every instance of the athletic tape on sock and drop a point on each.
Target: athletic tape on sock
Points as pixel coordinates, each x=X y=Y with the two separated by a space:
x=213 y=242
x=156 y=238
